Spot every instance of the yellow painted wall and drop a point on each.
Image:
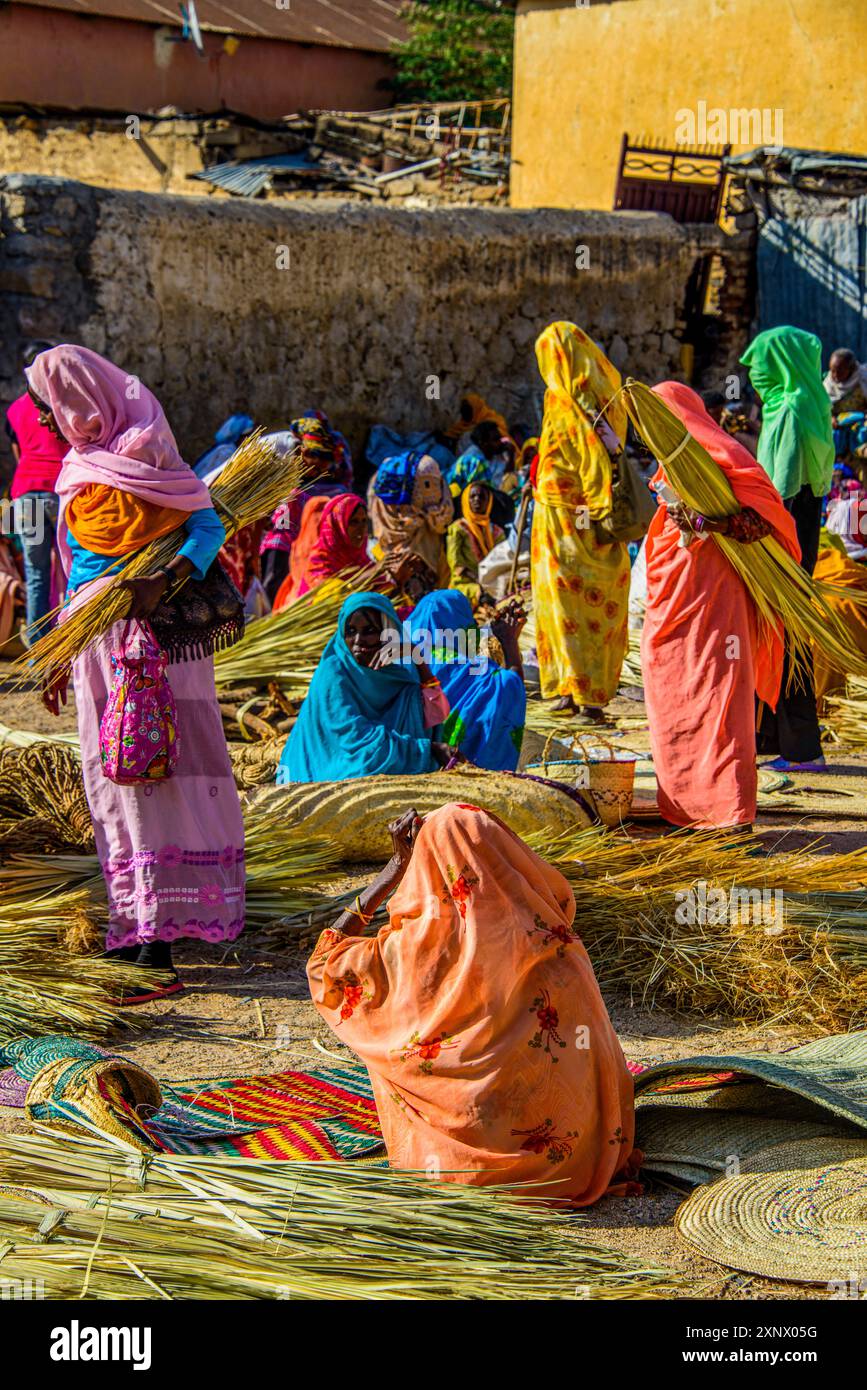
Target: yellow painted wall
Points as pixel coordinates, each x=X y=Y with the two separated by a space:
x=584 y=75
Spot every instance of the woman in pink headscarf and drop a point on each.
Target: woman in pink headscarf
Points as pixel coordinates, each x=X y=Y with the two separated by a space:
x=342 y=543
x=704 y=654
x=171 y=851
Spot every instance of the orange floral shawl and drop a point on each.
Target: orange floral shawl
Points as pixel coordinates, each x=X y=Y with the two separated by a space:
x=477 y=1013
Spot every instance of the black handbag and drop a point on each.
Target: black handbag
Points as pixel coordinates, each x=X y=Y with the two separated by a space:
x=200 y=617
x=633 y=505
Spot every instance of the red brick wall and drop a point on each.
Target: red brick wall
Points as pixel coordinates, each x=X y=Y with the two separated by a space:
x=58 y=59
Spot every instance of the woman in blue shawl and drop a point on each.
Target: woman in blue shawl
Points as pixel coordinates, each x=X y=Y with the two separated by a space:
x=363 y=715
x=488 y=704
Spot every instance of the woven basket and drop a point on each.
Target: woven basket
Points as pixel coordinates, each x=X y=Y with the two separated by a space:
x=105 y=1093
x=610 y=780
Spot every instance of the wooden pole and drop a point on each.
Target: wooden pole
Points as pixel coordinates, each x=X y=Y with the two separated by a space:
x=519 y=532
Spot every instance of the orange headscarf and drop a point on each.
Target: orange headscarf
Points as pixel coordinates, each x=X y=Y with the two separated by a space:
x=480 y=410
x=479 y=526
x=478 y=1016
x=752 y=488
x=302 y=549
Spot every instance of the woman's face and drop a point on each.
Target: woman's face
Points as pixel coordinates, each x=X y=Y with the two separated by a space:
x=315 y=461
x=46 y=417
x=842 y=365
x=356 y=527
x=363 y=634
x=478 y=499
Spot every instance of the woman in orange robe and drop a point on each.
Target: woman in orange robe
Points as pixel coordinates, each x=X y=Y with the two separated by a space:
x=478 y=1016
x=703 y=655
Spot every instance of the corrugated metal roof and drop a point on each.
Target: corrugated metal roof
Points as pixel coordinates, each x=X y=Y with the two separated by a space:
x=248 y=178
x=367 y=24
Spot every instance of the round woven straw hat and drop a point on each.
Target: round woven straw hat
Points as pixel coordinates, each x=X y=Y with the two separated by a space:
x=799 y=1214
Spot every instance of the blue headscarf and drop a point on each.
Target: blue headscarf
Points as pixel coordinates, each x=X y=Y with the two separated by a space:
x=470 y=467
x=488 y=707
x=395 y=478
x=355 y=722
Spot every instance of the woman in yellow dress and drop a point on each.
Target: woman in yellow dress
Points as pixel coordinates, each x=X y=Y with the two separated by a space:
x=580 y=586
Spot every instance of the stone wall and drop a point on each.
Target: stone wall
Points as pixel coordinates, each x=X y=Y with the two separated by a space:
x=369 y=313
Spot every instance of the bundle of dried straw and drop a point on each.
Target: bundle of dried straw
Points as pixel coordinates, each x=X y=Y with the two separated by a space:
x=130 y=1226
x=252 y=484
x=782 y=592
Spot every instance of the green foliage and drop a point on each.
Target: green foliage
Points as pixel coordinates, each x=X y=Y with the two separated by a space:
x=457 y=50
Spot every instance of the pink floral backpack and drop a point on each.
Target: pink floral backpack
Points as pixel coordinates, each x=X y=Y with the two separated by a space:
x=138 y=732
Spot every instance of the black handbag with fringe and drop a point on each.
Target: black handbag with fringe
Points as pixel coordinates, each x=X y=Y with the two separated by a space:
x=200 y=617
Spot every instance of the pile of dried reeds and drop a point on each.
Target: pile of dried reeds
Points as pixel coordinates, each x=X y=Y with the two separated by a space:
x=696 y=922
x=125 y=1225
x=846 y=715
x=42 y=800
x=45 y=988
x=254 y=481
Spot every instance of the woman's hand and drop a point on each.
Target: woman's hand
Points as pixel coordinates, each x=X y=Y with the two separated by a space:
x=380 y=659
x=404 y=833
x=147 y=594
x=149 y=590
x=509 y=621
x=686 y=519
x=444 y=754
x=54 y=689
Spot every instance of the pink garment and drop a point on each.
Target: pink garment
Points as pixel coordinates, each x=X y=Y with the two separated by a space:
x=436 y=707
x=171 y=853
x=41 y=452
x=117 y=432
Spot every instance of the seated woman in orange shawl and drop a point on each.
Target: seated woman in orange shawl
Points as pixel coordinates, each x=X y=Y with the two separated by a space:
x=704 y=655
x=478 y=1016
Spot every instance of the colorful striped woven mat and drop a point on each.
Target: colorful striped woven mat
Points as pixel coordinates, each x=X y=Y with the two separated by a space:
x=327 y=1113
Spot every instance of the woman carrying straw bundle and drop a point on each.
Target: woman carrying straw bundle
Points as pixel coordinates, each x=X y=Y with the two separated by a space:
x=704 y=656
x=580 y=585
x=488 y=704
x=478 y=1016
x=796 y=449
x=366 y=713
x=410 y=511
x=471 y=539
x=171 y=851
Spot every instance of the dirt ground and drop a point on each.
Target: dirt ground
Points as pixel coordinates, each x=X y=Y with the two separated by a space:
x=246 y=1009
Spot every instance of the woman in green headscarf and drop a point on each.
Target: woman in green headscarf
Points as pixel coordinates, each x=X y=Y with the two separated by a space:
x=796 y=450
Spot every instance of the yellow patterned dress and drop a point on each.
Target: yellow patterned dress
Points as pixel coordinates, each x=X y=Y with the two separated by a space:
x=580 y=588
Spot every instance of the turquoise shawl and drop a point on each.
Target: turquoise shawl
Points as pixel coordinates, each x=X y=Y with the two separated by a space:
x=355 y=722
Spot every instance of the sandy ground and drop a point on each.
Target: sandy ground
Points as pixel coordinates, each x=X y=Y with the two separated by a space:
x=246 y=1009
